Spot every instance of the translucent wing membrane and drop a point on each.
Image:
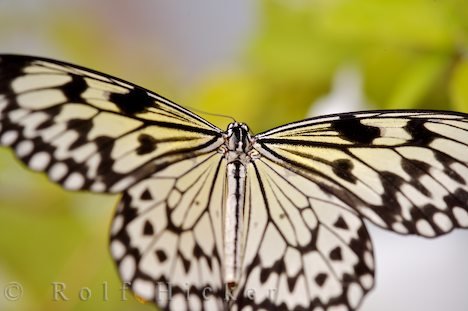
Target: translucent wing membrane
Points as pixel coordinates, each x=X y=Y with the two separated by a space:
x=406 y=171
x=305 y=249
x=167 y=235
x=91 y=131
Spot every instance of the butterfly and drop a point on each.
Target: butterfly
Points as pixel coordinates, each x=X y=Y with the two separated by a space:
x=227 y=220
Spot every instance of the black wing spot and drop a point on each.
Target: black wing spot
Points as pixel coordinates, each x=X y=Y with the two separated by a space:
x=10 y=69
x=185 y=263
x=455 y=198
x=320 y=279
x=52 y=112
x=421 y=135
x=162 y=257
x=341 y=223
x=148 y=228
x=147 y=144
x=74 y=89
x=82 y=127
x=105 y=145
x=146 y=195
x=46 y=124
x=416 y=169
x=390 y=182
x=353 y=130
x=136 y=101
x=335 y=254
x=343 y=169
x=448 y=161
x=197 y=251
x=264 y=275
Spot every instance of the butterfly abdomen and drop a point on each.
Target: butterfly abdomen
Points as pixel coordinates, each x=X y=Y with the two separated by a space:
x=234 y=222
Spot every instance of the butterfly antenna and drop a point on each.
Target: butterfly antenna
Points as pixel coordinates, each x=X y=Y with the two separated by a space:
x=211 y=114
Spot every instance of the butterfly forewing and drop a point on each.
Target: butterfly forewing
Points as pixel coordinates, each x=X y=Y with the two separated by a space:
x=405 y=171
x=92 y=131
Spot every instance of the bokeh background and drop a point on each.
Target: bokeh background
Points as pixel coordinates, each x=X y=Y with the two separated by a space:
x=263 y=62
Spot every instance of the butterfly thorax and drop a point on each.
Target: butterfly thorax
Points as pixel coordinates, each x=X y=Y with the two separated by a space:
x=237 y=143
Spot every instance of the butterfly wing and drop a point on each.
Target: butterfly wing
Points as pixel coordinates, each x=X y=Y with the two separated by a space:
x=90 y=131
x=166 y=236
x=305 y=248
x=406 y=171
x=306 y=244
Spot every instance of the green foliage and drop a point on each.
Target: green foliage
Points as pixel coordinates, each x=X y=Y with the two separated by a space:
x=412 y=54
x=52 y=236
x=459 y=86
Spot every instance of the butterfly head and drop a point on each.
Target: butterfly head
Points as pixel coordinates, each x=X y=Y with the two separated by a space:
x=238 y=138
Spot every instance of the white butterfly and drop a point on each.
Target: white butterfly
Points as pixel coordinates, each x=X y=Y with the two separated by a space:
x=213 y=219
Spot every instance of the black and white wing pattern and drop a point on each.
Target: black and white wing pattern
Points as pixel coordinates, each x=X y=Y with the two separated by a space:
x=90 y=131
x=305 y=248
x=406 y=171
x=167 y=235
x=299 y=241
x=314 y=181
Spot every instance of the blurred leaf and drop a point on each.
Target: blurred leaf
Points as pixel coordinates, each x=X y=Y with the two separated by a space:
x=459 y=86
x=404 y=48
x=237 y=92
x=416 y=81
x=414 y=24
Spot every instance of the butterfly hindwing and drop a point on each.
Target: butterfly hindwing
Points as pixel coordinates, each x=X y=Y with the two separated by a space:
x=304 y=247
x=91 y=131
x=166 y=235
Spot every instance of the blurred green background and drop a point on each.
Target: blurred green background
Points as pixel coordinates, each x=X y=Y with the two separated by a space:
x=262 y=62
